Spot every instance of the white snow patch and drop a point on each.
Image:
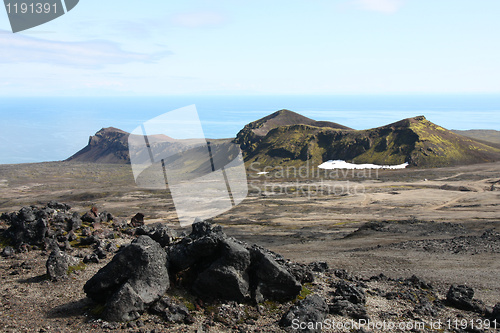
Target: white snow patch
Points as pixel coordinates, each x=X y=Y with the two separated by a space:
x=339 y=164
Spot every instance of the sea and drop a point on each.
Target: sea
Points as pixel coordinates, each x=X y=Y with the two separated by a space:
x=41 y=129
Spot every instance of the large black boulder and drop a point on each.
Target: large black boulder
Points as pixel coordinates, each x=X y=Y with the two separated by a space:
x=215 y=266
x=270 y=279
x=136 y=277
x=200 y=248
x=226 y=277
x=207 y=262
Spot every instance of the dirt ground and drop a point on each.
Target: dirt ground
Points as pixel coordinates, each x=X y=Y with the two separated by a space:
x=429 y=222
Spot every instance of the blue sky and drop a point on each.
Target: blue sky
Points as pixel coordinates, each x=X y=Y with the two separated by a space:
x=114 y=48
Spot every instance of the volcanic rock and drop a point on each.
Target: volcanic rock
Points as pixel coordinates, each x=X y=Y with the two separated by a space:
x=272 y=280
x=460 y=297
x=227 y=277
x=348 y=300
x=25 y=228
x=311 y=310
x=8 y=251
x=58 y=263
x=496 y=312
x=224 y=268
x=350 y=292
x=172 y=312
x=137 y=220
x=158 y=232
x=136 y=277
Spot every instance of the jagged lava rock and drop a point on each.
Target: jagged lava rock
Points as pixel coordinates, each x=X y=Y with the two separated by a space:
x=350 y=292
x=137 y=220
x=271 y=280
x=225 y=268
x=206 y=262
x=200 y=247
x=26 y=228
x=348 y=300
x=460 y=297
x=313 y=309
x=171 y=311
x=227 y=277
x=136 y=277
x=33 y=225
x=58 y=263
x=159 y=232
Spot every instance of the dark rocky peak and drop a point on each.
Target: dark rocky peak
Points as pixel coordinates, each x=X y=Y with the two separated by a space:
x=108 y=145
x=255 y=131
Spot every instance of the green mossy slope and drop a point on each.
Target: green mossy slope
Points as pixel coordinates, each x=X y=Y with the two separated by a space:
x=415 y=140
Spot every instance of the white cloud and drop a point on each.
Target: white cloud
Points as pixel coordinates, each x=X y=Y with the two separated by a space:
x=199 y=19
x=17 y=48
x=383 y=6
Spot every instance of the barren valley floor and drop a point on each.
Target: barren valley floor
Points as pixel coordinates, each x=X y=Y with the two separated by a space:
x=429 y=222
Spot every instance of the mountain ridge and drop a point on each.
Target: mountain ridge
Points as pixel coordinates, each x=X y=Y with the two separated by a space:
x=108 y=145
x=416 y=141
x=482 y=135
x=285 y=137
x=253 y=132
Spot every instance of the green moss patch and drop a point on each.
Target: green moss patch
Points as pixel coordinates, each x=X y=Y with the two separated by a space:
x=79 y=267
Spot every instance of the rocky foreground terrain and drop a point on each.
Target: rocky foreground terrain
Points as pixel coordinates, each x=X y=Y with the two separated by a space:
x=66 y=271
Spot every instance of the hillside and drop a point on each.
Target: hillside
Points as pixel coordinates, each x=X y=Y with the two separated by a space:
x=415 y=140
x=109 y=145
x=286 y=137
x=254 y=132
x=490 y=136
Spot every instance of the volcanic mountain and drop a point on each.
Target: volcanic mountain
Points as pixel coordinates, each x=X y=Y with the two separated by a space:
x=414 y=140
x=254 y=132
x=286 y=137
x=109 y=145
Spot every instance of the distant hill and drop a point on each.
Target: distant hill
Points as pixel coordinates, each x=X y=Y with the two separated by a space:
x=415 y=140
x=286 y=137
x=483 y=135
x=255 y=131
x=109 y=145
